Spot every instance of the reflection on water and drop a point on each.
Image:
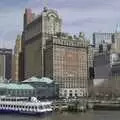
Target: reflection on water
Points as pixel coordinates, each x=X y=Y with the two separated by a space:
x=91 y=115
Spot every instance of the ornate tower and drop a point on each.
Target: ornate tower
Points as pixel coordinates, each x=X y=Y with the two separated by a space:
x=37 y=30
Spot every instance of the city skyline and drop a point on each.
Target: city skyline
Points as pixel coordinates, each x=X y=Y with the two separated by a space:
x=88 y=16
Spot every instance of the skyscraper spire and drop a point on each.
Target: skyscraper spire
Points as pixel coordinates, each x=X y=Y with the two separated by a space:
x=45 y=5
x=118 y=28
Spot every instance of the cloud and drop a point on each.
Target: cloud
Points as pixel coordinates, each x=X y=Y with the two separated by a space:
x=78 y=15
x=10 y=26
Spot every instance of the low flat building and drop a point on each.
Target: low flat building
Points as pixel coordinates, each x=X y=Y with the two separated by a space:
x=16 y=90
x=43 y=88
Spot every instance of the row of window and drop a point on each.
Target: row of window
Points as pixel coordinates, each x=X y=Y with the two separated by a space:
x=72 y=84
x=20 y=106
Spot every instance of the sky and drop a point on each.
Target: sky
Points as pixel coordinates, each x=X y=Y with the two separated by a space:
x=77 y=15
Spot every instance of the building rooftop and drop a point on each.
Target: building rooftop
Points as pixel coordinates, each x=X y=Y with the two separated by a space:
x=15 y=86
x=42 y=80
x=19 y=86
x=3 y=85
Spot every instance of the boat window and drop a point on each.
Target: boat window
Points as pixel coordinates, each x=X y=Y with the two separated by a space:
x=35 y=107
x=46 y=106
x=40 y=107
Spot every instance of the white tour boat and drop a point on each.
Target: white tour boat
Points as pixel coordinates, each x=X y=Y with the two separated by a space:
x=24 y=105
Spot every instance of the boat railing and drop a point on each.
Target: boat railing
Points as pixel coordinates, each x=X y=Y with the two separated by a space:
x=14 y=99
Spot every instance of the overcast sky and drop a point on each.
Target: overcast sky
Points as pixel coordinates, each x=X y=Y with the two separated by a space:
x=78 y=15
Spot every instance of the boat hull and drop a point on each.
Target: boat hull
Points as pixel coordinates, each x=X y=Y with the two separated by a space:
x=2 y=111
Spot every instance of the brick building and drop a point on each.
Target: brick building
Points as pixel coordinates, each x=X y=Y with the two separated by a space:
x=66 y=62
x=50 y=53
x=34 y=35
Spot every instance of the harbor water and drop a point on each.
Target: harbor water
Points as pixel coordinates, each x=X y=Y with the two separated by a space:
x=90 y=115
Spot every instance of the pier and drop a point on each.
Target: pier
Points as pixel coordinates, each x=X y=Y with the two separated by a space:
x=72 y=106
x=104 y=105
x=84 y=105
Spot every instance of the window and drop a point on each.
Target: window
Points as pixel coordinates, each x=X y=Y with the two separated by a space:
x=40 y=107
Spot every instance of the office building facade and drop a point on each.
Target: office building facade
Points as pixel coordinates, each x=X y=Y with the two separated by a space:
x=116 y=42
x=50 y=53
x=66 y=61
x=5 y=63
x=34 y=35
x=18 y=66
x=102 y=39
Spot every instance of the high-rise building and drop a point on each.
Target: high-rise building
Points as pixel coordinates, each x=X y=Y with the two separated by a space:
x=107 y=72
x=102 y=38
x=91 y=72
x=49 y=52
x=115 y=74
x=18 y=60
x=5 y=63
x=102 y=66
x=116 y=42
x=66 y=61
x=34 y=35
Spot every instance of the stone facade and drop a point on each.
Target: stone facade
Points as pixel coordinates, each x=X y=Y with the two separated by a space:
x=34 y=35
x=18 y=74
x=49 y=52
x=116 y=42
x=115 y=79
x=66 y=61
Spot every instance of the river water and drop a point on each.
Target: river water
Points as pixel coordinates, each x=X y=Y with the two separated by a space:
x=91 y=115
